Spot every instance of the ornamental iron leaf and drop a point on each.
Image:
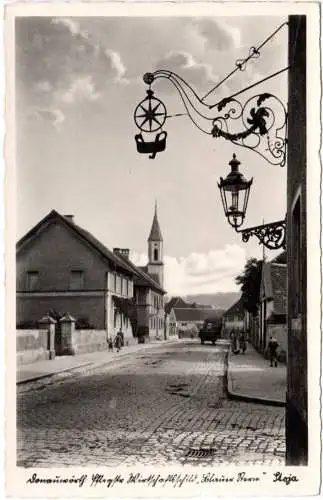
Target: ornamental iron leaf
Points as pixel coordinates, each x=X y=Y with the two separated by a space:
x=272 y=236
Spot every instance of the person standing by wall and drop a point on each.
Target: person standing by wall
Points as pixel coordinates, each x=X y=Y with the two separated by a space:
x=272 y=348
x=243 y=342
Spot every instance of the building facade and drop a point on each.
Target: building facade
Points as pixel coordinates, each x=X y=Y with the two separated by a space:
x=62 y=268
x=148 y=286
x=234 y=318
x=297 y=403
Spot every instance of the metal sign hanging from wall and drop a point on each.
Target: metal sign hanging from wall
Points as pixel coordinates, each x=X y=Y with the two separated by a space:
x=259 y=123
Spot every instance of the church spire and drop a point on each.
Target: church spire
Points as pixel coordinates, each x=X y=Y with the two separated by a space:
x=155 y=232
x=155 y=265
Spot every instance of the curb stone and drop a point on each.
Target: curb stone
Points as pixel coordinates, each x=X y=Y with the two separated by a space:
x=94 y=362
x=244 y=397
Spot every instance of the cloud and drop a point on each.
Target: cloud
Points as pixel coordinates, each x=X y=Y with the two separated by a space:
x=71 y=24
x=81 y=89
x=117 y=65
x=53 y=116
x=50 y=50
x=184 y=64
x=210 y=272
x=218 y=35
x=44 y=86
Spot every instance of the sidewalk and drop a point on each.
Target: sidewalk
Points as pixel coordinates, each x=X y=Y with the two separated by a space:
x=47 y=368
x=250 y=378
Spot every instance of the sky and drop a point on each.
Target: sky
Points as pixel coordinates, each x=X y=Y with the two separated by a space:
x=78 y=82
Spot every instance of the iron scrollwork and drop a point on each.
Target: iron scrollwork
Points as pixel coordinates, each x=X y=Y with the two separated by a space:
x=272 y=236
x=264 y=118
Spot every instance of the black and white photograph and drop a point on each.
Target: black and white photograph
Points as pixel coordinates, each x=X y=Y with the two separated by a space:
x=164 y=249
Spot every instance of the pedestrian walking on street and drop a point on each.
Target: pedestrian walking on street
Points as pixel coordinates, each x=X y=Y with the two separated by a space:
x=234 y=342
x=118 y=340
x=243 y=342
x=110 y=344
x=272 y=348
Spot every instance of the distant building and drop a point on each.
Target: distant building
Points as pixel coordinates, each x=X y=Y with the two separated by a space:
x=273 y=306
x=233 y=318
x=186 y=321
x=149 y=286
x=170 y=317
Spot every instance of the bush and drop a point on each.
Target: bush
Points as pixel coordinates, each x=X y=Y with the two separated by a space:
x=142 y=334
x=83 y=323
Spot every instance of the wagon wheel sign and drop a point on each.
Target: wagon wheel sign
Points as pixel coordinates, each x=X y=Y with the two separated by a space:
x=150 y=114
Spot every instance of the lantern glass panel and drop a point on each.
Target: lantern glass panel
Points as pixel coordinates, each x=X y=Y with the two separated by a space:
x=235 y=194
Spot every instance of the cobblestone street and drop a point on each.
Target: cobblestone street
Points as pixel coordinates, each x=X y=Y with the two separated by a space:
x=166 y=405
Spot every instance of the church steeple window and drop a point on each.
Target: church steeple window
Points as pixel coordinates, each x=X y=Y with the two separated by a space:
x=155 y=253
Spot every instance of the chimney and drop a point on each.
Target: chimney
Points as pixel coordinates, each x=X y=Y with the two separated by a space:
x=69 y=217
x=124 y=252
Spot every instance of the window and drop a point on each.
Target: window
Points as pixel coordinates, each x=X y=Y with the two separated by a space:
x=155 y=253
x=76 y=280
x=32 y=280
x=124 y=286
x=108 y=280
x=130 y=288
x=118 y=284
x=296 y=259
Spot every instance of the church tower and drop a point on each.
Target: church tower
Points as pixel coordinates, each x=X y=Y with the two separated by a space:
x=155 y=265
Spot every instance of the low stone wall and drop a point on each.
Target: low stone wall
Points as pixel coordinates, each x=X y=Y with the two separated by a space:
x=31 y=346
x=84 y=341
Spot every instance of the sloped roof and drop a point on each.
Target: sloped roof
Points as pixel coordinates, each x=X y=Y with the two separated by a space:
x=81 y=233
x=236 y=309
x=275 y=286
x=279 y=287
x=281 y=258
x=155 y=277
x=191 y=314
x=142 y=278
x=175 y=302
x=155 y=232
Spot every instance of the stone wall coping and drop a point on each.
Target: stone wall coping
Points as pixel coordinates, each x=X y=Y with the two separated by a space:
x=67 y=318
x=47 y=319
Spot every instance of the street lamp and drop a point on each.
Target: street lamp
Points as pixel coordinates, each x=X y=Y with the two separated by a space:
x=234 y=191
x=259 y=124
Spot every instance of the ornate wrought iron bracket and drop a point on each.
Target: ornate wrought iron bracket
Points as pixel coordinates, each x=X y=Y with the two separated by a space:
x=264 y=121
x=272 y=235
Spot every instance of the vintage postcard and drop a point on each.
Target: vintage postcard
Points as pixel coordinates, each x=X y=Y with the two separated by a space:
x=163 y=279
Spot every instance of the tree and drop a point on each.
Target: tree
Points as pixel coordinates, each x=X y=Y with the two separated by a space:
x=281 y=258
x=250 y=284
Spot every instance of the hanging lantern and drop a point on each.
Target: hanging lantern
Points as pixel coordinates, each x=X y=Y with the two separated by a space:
x=234 y=191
